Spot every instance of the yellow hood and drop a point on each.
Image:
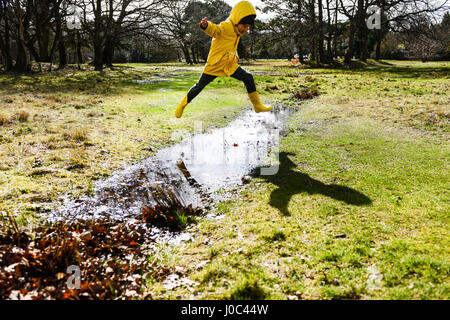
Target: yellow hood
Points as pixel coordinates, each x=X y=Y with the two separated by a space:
x=223 y=59
x=241 y=10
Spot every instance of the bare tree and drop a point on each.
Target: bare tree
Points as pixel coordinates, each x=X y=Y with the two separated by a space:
x=28 y=25
x=350 y=11
x=173 y=26
x=290 y=22
x=424 y=39
x=5 y=35
x=109 y=22
x=320 y=31
x=395 y=15
x=22 y=17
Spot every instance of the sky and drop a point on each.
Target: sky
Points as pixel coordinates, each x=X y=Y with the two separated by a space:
x=261 y=16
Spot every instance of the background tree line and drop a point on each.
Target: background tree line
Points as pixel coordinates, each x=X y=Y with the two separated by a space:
x=319 y=31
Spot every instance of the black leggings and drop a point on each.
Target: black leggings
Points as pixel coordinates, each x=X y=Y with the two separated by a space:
x=205 y=79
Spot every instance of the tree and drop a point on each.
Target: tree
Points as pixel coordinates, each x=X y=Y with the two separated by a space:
x=320 y=32
x=198 y=41
x=28 y=25
x=289 y=24
x=383 y=31
x=22 y=20
x=350 y=11
x=173 y=27
x=445 y=34
x=424 y=39
x=109 y=22
x=399 y=15
x=5 y=36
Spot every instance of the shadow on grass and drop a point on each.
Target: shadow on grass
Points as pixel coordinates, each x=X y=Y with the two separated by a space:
x=413 y=70
x=291 y=182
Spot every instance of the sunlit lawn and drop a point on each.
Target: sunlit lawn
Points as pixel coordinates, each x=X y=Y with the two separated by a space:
x=358 y=209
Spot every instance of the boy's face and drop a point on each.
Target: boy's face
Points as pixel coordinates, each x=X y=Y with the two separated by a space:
x=243 y=28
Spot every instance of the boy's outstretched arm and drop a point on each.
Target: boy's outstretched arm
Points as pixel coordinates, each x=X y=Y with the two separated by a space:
x=211 y=29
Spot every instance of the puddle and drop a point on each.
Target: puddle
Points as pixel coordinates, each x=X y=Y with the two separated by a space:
x=199 y=171
x=220 y=158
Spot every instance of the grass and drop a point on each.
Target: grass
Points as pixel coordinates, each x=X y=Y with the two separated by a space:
x=83 y=126
x=248 y=289
x=362 y=186
x=361 y=193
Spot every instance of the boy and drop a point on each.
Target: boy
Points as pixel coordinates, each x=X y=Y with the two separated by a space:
x=223 y=59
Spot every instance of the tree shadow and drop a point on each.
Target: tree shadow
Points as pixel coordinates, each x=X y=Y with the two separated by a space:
x=290 y=182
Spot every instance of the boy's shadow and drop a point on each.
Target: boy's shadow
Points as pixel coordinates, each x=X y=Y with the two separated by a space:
x=291 y=182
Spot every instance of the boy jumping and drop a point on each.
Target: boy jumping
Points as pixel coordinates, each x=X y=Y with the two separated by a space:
x=223 y=59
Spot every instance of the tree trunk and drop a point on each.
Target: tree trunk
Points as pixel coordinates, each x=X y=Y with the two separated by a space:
x=312 y=42
x=110 y=39
x=62 y=53
x=330 y=33
x=379 y=34
x=98 y=37
x=364 y=44
x=79 y=53
x=3 y=52
x=378 y=47
x=43 y=48
x=351 y=40
x=320 y=33
x=61 y=45
x=194 y=58
x=5 y=48
x=299 y=29
x=186 y=54
x=362 y=31
x=7 y=62
x=98 y=56
x=52 y=53
x=23 y=62
x=108 y=52
x=42 y=30
x=335 y=42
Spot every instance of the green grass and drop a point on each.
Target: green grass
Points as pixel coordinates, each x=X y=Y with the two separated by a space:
x=362 y=186
x=361 y=192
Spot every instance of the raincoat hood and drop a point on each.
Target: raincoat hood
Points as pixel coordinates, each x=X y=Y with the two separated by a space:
x=223 y=59
x=241 y=10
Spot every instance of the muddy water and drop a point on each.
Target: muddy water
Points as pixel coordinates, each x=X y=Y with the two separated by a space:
x=196 y=170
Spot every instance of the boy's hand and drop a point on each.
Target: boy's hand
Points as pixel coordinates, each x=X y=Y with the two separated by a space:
x=204 y=22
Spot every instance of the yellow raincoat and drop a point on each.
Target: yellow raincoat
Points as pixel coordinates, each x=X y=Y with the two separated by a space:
x=223 y=59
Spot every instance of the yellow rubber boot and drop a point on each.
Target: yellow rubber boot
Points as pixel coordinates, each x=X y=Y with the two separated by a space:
x=180 y=108
x=257 y=104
